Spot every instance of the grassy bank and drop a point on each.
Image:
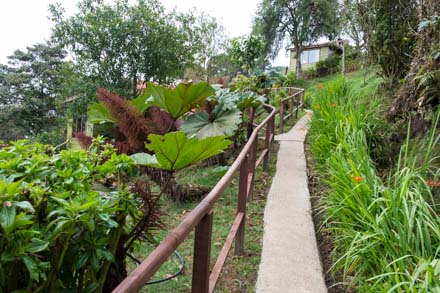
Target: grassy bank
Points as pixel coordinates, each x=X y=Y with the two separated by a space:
x=385 y=231
x=364 y=81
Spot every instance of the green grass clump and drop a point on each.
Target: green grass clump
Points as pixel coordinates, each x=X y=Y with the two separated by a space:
x=386 y=232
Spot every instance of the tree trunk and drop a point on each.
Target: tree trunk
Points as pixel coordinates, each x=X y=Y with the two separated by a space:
x=298 y=62
x=134 y=85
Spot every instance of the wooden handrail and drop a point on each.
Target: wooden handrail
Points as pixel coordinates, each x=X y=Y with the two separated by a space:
x=295 y=95
x=201 y=216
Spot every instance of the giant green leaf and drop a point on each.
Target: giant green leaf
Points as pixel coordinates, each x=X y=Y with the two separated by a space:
x=249 y=99
x=144 y=159
x=180 y=100
x=139 y=103
x=175 y=150
x=98 y=113
x=225 y=124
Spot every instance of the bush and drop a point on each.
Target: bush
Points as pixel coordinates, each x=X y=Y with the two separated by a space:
x=310 y=73
x=243 y=83
x=328 y=66
x=386 y=233
x=57 y=231
x=290 y=79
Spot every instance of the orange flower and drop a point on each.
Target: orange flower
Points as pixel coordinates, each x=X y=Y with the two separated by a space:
x=358 y=178
x=433 y=183
x=317 y=107
x=321 y=86
x=333 y=105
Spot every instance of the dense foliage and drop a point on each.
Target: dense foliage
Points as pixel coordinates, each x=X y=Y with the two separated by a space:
x=245 y=51
x=386 y=231
x=58 y=229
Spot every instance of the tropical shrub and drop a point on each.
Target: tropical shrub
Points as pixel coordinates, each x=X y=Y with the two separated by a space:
x=167 y=109
x=310 y=73
x=68 y=219
x=290 y=79
x=328 y=66
x=386 y=232
x=243 y=83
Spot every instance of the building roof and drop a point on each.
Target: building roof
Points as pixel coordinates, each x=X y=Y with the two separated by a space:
x=315 y=46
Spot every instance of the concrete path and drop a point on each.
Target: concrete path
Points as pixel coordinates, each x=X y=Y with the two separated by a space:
x=290 y=260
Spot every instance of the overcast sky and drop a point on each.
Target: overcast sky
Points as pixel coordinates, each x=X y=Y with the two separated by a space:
x=24 y=22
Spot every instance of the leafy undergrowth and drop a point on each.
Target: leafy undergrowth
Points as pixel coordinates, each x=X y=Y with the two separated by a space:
x=239 y=273
x=385 y=232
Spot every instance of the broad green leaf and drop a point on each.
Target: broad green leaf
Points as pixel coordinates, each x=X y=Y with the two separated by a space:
x=91 y=288
x=198 y=124
x=31 y=265
x=36 y=245
x=22 y=220
x=139 y=103
x=81 y=260
x=175 y=150
x=177 y=101
x=7 y=218
x=249 y=99
x=25 y=205
x=144 y=159
x=98 y=113
x=7 y=256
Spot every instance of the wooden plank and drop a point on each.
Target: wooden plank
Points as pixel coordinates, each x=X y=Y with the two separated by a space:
x=216 y=271
x=287 y=116
x=261 y=158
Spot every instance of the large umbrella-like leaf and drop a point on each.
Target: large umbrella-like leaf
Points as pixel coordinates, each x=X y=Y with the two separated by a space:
x=225 y=124
x=249 y=99
x=99 y=113
x=175 y=151
x=177 y=101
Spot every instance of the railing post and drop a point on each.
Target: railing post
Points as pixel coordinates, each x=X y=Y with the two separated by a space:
x=291 y=110
x=202 y=255
x=281 y=117
x=267 y=144
x=241 y=207
x=302 y=99
x=297 y=105
x=251 y=162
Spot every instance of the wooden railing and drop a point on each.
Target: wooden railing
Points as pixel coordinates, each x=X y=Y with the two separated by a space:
x=201 y=218
x=294 y=95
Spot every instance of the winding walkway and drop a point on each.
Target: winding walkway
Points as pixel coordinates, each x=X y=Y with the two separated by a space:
x=290 y=260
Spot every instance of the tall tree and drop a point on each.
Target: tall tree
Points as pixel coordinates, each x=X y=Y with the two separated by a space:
x=352 y=24
x=118 y=44
x=295 y=22
x=392 y=40
x=30 y=87
x=245 y=51
x=210 y=39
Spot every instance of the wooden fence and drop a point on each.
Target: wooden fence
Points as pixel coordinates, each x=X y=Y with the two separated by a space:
x=201 y=218
x=294 y=96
